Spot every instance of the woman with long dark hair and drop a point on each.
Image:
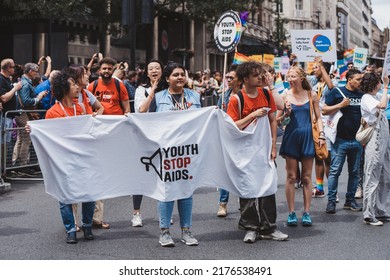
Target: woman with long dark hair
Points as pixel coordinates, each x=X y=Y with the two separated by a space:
x=143 y=96
x=175 y=97
x=146 y=91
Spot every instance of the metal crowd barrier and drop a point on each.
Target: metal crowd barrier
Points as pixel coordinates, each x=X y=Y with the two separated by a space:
x=210 y=100
x=15 y=159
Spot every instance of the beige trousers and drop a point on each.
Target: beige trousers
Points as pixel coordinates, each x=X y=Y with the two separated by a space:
x=99 y=209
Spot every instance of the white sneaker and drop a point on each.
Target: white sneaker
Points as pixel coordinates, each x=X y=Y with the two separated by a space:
x=165 y=239
x=359 y=193
x=276 y=235
x=137 y=220
x=188 y=239
x=250 y=236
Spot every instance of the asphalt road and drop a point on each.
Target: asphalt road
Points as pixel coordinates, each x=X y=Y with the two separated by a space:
x=31 y=229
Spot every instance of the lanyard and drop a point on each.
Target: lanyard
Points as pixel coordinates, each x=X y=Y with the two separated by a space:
x=63 y=109
x=320 y=87
x=179 y=105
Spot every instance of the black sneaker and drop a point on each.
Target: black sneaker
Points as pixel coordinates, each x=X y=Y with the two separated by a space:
x=26 y=172
x=71 y=239
x=373 y=222
x=331 y=207
x=88 y=233
x=384 y=218
x=352 y=205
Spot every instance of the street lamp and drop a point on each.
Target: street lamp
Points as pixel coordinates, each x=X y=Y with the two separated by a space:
x=318 y=12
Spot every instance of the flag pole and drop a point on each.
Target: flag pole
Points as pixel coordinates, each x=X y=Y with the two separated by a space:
x=223 y=81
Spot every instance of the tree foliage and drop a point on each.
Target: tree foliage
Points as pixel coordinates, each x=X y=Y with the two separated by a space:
x=103 y=12
x=206 y=10
x=203 y=10
x=46 y=8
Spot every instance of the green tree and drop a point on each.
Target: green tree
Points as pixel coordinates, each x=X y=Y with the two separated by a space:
x=280 y=31
x=206 y=10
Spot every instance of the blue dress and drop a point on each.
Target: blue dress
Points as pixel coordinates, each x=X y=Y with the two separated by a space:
x=298 y=141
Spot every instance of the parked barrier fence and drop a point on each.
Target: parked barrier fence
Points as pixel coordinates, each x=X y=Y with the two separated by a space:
x=18 y=158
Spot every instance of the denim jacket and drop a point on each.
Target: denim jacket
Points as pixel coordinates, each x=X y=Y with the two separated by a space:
x=226 y=96
x=164 y=100
x=27 y=94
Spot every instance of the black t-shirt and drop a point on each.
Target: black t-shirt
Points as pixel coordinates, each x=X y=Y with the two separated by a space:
x=350 y=121
x=177 y=103
x=6 y=86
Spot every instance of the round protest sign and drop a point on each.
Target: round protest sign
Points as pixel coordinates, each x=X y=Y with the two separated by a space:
x=227 y=31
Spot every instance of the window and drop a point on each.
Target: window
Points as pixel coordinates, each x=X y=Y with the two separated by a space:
x=280 y=6
x=299 y=5
x=299 y=25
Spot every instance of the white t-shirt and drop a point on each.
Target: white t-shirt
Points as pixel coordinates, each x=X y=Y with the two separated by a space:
x=92 y=99
x=140 y=97
x=369 y=107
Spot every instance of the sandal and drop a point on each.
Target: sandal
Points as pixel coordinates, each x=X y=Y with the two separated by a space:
x=102 y=225
x=78 y=229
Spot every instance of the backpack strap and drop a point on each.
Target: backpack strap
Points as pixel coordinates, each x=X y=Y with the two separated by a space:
x=146 y=93
x=341 y=92
x=118 y=88
x=240 y=102
x=266 y=93
x=95 y=84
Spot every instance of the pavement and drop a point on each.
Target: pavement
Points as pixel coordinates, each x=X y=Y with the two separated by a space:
x=31 y=229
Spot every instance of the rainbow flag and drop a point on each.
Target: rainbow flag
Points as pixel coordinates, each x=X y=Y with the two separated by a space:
x=239 y=58
x=279 y=83
x=348 y=55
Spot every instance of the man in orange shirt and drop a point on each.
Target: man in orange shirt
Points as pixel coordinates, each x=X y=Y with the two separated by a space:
x=257 y=221
x=113 y=95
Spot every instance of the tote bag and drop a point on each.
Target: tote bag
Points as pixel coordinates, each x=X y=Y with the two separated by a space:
x=331 y=121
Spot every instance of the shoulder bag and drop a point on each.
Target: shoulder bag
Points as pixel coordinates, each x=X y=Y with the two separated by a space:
x=365 y=131
x=321 y=151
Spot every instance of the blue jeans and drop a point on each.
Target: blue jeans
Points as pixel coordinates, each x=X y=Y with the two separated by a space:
x=68 y=218
x=223 y=196
x=340 y=149
x=184 y=206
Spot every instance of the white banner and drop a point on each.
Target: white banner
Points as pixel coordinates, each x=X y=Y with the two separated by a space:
x=307 y=44
x=166 y=156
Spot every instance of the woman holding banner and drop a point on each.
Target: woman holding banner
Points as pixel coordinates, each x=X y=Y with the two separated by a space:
x=66 y=90
x=174 y=97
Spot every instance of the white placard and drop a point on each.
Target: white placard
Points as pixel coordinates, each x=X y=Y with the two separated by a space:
x=278 y=64
x=307 y=44
x=227 y=31
x=360 y=57
x=386 y=63
x=285 y=64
